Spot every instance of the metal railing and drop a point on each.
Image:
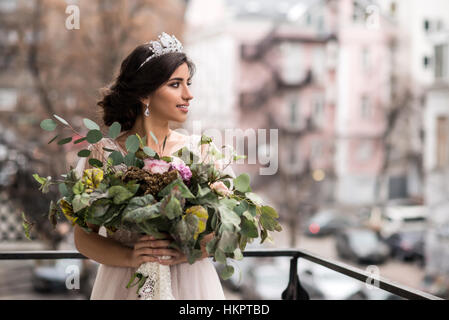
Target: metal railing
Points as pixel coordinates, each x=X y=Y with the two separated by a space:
x=294 y=290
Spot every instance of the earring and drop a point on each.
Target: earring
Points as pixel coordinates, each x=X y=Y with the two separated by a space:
x=147 y=111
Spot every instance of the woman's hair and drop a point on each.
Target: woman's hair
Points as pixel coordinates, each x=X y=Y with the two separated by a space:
x=121 y=99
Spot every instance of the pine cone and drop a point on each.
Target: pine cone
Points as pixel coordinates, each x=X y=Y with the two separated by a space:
x=151 y=183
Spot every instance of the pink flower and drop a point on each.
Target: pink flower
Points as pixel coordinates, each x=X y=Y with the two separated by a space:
x=156 y=166
x=182 y=168
x=220 y=188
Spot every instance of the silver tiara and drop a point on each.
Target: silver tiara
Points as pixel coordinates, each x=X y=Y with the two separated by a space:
x=165 y=44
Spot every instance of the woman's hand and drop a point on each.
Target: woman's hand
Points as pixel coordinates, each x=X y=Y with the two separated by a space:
x=148 y=249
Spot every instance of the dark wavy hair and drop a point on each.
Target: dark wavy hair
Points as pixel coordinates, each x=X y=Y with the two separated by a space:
x=121 y=99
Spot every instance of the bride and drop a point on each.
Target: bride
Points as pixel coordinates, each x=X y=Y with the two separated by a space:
x=151 y=89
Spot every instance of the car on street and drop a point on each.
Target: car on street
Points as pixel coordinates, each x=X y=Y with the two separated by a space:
x=408 y=245
x=327 y=222
x=362 y=246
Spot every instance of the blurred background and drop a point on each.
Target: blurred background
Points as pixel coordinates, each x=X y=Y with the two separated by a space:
x=357 y=91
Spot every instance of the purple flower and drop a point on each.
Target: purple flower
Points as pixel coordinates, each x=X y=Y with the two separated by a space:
x=182 y=168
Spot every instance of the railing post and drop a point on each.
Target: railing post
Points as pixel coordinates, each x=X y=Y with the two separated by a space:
x=294 y=290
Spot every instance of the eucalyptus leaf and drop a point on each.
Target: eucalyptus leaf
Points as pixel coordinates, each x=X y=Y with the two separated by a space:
x=227 y=272
x=256 y=199
x=148 y=151
x=84 y=153
x=154 y=137
x=132 y=143
x=65 y=140
x=61 y=120
x=93 y=136
x=114 y=130
x=241 y=183
x=95 y=163
x=117 y=157
x=48 y=125
x=80 y=140
x=91 y=125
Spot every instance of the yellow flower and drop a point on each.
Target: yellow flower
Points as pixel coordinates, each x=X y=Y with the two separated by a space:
x=67 y=209
x=92 y=179
x=202 y=215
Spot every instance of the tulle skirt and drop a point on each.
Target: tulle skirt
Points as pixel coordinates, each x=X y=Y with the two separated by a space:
x=198 y=281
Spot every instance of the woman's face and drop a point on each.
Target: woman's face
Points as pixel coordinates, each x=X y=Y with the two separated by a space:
x=173 y=93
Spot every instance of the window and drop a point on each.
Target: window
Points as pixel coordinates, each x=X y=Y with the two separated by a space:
x=366 y=58
x=364 y=151
x=441 y=61
x=318 y=110
x=319 y=62
x=292 y=70
x=316 y=151
x=293 y=108
x=442 y=142
x=366 y=108
x=426 y=25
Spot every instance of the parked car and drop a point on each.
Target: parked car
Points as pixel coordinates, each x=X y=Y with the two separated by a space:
x=362 y=246
x=408 y=245
x=400 y=218
x=327 y=222
x=322 y=283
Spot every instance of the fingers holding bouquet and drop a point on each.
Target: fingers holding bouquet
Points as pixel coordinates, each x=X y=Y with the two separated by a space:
x=150 y=249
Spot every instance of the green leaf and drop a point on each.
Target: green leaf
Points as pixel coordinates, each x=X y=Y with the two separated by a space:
x=241 y=183
x=238 y=255
x=93 y=136
x=91 y=125
x=80 y=140
x=227 y=272
x=148 y=151
x=171 y=207
x=63 y=190
x=130 y=159
x=154 y=137
x=228 y=216
x=184 y=230
x=249 y=228
x=78 y=188
x=95 y=163
x=228 y=242
x=39 y=179
x=210 y=246
x=114 y=130
x=117 y=157
x=132 y=143
x=270 y=211
x=65 y=140
x=185 y=192
x=119 y=194
x=241 y=207
x=61 y=120
x=256 y=199
x=27 y=226
x=84 y=153
x=140 y=209
x=80 y=201
x=220 y=256
x=54 y=138
x=48 y=125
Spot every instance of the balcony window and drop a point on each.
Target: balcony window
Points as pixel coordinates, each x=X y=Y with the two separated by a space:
x=442 y=142
x=441 y=61
x=293 y=105
x=292 y=67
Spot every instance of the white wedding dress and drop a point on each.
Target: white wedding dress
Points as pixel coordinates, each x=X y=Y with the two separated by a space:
x=198 y=281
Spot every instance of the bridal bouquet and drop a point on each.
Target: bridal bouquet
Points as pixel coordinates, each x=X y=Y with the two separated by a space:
x=177 y=195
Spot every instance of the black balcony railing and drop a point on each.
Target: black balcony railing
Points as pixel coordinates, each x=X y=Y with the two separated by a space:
x=294 y=290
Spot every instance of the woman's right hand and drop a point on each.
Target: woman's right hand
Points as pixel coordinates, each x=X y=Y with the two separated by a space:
x=148 y=249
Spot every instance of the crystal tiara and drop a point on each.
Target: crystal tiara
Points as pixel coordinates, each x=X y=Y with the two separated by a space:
x=165 y=44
